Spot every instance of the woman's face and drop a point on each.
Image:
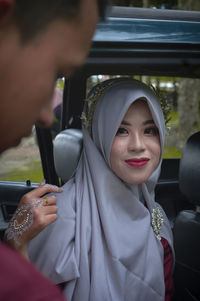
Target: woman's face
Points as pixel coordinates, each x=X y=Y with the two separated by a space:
x=135 y=152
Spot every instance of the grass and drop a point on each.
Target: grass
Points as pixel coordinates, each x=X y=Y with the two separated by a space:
x=32 y=171
x=170 y=153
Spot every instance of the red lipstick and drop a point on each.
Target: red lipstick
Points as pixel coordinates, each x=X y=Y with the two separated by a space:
x=137 y=162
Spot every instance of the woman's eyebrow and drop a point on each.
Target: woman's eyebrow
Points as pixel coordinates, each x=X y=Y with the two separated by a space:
x=146 y=122
x=124 y=122
x=149 y=122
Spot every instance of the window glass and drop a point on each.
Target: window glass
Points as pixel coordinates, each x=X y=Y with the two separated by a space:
x=23 y=162
x=57 y=107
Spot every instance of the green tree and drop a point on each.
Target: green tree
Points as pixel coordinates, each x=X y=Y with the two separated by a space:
x=189 y=92
x=189 y=4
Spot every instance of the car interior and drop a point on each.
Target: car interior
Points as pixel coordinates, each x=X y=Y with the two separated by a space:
x=186 y=228
x=139 y=43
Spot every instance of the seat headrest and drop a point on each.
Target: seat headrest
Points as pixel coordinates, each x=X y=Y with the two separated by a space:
x=67 y=150
x=189 y=172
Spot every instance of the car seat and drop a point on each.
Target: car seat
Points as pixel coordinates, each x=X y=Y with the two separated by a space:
x=187 y=225
x=67 y=144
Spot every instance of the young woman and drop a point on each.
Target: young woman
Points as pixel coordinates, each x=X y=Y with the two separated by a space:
x=111 y=240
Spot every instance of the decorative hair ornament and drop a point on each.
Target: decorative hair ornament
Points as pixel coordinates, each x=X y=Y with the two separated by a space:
x=98 y=91
x=157 y=221
x=165 y=106
x=22 y=220
x=92 y=100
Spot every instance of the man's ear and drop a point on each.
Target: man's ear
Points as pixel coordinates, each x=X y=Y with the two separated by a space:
x=6 y=7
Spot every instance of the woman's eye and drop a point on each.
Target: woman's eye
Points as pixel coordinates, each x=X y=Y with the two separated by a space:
x=121 y=132
x=152 y=131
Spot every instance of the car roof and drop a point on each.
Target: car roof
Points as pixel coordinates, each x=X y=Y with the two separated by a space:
x=147 y=41
x=136 y=41
x=159 y=26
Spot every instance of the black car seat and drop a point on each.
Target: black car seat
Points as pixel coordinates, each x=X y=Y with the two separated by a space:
x=67 y=150
x=187 y=225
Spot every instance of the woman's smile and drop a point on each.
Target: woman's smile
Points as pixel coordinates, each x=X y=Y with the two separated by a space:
x=135 y=152
x=140 y=162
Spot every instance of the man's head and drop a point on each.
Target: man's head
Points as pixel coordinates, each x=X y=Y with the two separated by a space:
x=40 y=40
x=33 y=16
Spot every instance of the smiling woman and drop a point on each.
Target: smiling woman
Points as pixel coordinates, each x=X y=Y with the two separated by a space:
x=135 y=152
x=108 y=221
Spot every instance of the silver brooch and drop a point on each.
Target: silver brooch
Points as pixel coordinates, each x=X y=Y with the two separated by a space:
x=157 y=221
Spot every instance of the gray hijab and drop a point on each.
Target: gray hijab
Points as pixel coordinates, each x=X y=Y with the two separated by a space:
x=105 y=243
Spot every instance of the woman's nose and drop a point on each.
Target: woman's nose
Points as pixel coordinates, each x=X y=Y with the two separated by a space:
x=136 y=143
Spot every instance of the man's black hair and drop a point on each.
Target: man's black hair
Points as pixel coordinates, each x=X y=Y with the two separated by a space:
x=34 y=15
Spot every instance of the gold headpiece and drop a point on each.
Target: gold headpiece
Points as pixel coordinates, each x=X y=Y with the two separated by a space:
x=98 y=91
x=165 y=106
x=92 y=100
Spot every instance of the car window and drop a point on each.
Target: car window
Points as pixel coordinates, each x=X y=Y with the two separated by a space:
x=23 y=162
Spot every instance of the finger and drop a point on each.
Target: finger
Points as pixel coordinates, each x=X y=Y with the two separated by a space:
x=42 y=183
x=45 y=210
x=52 y=188
x=49 y=200
x=43 y=220
x=50 y=219
x=41 y=190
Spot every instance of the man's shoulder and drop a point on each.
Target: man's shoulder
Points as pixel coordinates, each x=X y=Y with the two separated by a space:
x=20 y=280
